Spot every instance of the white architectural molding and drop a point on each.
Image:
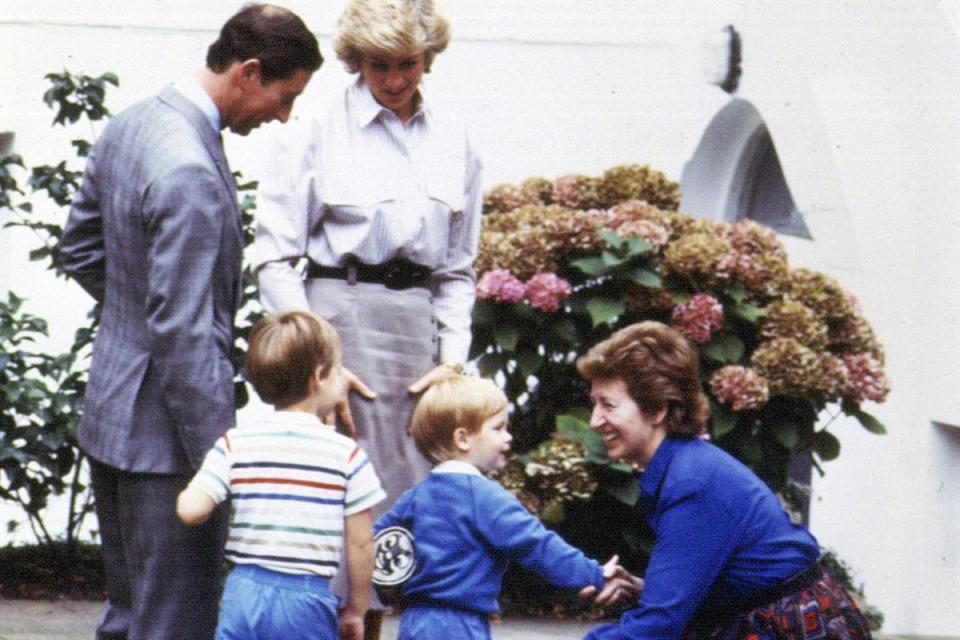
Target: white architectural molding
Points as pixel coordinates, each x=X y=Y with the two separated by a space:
x=713 y=180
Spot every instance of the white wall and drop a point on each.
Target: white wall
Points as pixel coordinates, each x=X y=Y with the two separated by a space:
x=860 y=97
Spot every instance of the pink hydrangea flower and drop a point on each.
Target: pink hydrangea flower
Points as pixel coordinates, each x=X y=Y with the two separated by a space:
x=545 y=291
x=501 y=285
x=649 y=231
x=740 y=387
x=699 y=318
x=855 y=303
x=867 y=380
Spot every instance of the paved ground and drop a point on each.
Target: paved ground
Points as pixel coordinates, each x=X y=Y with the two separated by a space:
x=75 y=620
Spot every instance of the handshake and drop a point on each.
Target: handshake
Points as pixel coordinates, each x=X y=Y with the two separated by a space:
x=619 y=586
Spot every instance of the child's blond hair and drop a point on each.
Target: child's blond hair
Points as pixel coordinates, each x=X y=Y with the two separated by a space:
x=458 y=402
x=285 y=351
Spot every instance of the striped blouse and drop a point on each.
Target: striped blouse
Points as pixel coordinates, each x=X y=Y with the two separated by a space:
x=291 y=481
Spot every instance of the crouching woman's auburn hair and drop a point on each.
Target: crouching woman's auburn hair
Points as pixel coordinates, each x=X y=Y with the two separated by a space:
x=661 y=369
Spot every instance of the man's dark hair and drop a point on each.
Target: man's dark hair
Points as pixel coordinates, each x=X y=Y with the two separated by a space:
x=275 y=36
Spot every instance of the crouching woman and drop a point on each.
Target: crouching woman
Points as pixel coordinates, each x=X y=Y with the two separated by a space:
x=727 y=562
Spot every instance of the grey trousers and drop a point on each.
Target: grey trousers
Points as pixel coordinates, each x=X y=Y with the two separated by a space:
x=163 y=577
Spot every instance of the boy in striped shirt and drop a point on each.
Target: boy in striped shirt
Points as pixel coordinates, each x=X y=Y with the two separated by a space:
x=299 y=493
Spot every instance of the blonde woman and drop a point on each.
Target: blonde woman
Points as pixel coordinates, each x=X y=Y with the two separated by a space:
x=380 y=197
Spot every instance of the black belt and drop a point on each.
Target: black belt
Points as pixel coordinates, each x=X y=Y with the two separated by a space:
x=803 y=580
x=708 y=619
x=397 y=273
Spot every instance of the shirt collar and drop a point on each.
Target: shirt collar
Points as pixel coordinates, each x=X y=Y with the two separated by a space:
x=299 y=419
x=366 y=109
x=656 y=469
x=456 y=466
x=192 y=91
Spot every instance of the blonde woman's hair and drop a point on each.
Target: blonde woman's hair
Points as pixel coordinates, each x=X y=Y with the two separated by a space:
x=285 y=351
x=457 y=402
x=391 y=27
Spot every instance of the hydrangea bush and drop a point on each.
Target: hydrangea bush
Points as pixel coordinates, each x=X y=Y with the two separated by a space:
x=564 y=263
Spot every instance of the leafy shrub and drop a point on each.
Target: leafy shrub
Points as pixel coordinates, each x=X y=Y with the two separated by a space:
x=563 y=264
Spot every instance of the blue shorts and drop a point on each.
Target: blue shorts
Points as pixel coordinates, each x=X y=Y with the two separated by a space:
x=260 y=604
x=422 y=622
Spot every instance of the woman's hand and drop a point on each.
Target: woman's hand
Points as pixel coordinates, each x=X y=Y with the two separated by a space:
x=438 y=373
x=342 y=409
x=619 y=585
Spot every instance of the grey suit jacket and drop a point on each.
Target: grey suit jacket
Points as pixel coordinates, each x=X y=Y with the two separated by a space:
x=154 y=233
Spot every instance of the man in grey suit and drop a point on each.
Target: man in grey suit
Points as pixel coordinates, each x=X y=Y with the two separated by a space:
x=154 y=234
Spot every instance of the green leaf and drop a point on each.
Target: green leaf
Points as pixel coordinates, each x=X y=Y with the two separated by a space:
x=592 y=266
x=646 y=278
x=572 y=426
x=581 y=413
x=785 y=432
x=603 y=310
x=39 y=253
x=624 y=488
x=747 y=446
x=869 y=422
x=566 y=331
x=737 y=293
x=553 y=513
x=750 y=313
x=611 y=237
x=638 y=246
x=611 y=260
x=485 y=312
x=725 y=348
x=679 y=297
x=723 y=421
x=826 y=445
x=506 y=334
x=491 y=363
x=578 y=430
x=529 y=362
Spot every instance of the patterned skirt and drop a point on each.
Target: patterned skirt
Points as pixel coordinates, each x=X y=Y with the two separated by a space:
x=818 y=609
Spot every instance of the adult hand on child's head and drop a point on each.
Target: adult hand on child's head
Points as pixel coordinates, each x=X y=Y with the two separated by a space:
x=342 y=410
x=438 y=373
x=351 y=625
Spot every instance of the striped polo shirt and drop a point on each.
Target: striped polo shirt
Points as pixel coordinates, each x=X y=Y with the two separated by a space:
x=291 y=481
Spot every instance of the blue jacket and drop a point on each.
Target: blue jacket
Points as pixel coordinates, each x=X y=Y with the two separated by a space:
x=721 y=536
x=466 y=529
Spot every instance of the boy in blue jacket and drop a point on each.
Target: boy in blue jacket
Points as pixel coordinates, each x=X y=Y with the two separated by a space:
x=466 y=528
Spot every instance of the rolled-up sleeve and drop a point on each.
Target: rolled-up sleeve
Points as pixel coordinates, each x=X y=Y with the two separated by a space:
x=456 y=281
x=286 y=198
